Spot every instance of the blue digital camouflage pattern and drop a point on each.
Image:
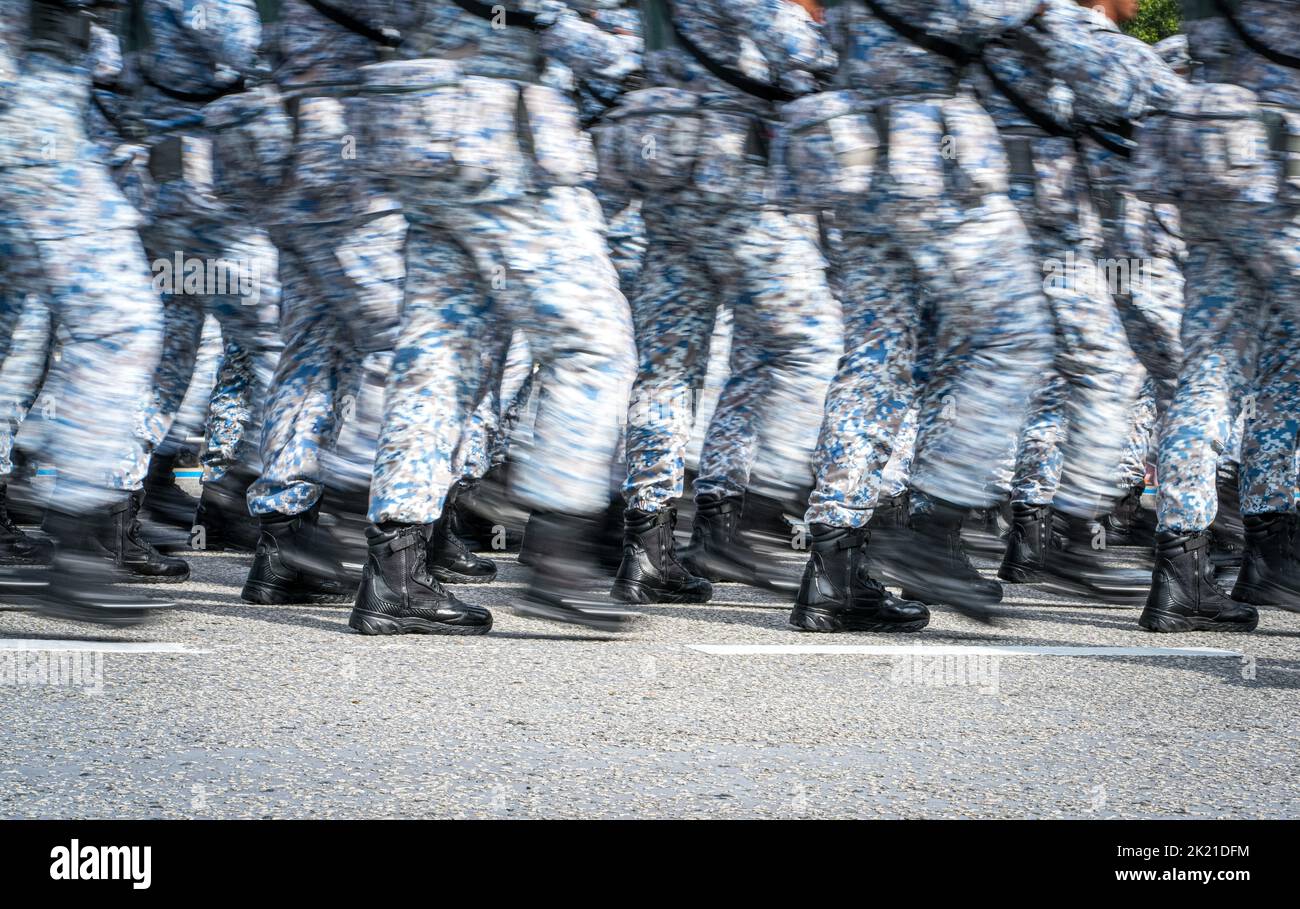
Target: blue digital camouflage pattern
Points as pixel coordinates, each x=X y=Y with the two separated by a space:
x=1077 y=432
x=920 y=234
x=1242 y=297
x=67 y=234
x=742 y=251
x=505 y=240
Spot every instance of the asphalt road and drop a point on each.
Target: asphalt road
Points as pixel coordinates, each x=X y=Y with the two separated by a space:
x=284 y=712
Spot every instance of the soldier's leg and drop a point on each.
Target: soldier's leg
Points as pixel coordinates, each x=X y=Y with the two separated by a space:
x=1221 y=326
x=250 y=327
x=874 y=386
x=674 y=317
x=787 y=313
x=24 y=368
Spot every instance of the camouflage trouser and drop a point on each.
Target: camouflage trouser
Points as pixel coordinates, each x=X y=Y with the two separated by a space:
x=350 y=462
x=25 y=349
x=893 y=479
x=1243 y=294
x=186 y=433
x=1152 y=313
x=1078 y=430
x=991 y=341
x=507 y=384
x=239 y=264
x=625 y=237
x=341 y=288
x=54 y=243
x=535 y=264
x=766 y=266
x=1139 y=448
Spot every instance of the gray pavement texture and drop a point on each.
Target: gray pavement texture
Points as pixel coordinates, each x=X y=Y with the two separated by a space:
x=284 y=712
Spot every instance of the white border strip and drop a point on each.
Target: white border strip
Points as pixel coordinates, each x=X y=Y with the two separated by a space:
x=951 y=649
x=96 y=646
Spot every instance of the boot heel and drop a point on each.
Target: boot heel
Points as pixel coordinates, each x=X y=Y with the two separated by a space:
x=1255 y=596
x=264 y=594
x=372 y=623
x=1163 y=622
x=806 y=618
x=631 y=592
x=1013 y=575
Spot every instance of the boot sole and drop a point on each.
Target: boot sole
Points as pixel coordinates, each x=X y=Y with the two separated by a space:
x=451 y=577
x=807 y=618
x=265 y=595
x=600 y=621
x=373 y=623
x=640 y=594
x=718 y=573
x=1268 y=595
x=117 y=617
x=152 y=579
x=1128 y=596
x=1167 y=623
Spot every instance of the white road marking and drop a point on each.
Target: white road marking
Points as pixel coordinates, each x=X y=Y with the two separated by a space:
x=955 y=649
x=96 y=646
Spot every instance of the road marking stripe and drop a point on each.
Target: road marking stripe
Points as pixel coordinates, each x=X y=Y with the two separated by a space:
x=96 y=646
x=951 y=649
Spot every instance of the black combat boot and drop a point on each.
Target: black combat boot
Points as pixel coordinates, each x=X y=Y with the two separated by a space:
x=839 y=594
x=720 y=549
x=1183 y=594
x=24 y=499
x=470 y=498
x=121 y=539
x=1066 y=553
x=400 y=595
x=566 y=581
x=933 y=566
x=1270 y=569
x=1122 y=525
x=985 y=531
x=650 y=571
x=17 y=546
x=81 y=579
x=165 y=502
x=450 y=559
x=888 y=529
x=1027 y=544
x=222 y=515
x=297 y=561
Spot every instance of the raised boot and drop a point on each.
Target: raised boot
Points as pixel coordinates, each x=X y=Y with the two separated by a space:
x=164 y=501
x=1183 y=594
x=121 y=539
x=289 y=569
x=1027 y=544
x=719 y=550
x=985 y=531
x=566 y=584
x=450 y=559
x=222 y=514
x=400 y=595
x=1066 y=554
x=650 y=571
x=81 y=580
x=17 y=546
x=1270 y=568
x=934 y=568
x=838 y=593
